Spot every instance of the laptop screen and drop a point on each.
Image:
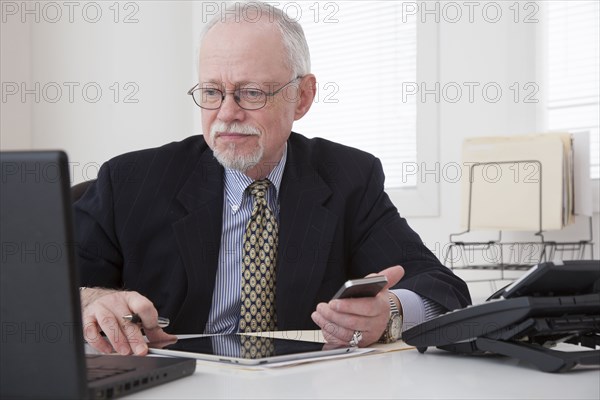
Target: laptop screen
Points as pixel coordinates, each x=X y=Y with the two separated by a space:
x=41 y=318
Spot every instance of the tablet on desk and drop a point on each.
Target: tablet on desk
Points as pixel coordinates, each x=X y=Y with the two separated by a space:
x=246 y=350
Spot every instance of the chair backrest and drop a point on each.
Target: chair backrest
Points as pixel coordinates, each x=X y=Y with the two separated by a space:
x=78 y=190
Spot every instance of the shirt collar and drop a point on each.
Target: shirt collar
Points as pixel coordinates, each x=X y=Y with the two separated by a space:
x=236 y=182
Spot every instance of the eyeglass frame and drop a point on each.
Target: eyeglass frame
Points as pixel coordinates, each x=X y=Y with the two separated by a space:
x=197 y=87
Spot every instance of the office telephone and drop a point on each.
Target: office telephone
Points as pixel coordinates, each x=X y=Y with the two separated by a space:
x=550 y=304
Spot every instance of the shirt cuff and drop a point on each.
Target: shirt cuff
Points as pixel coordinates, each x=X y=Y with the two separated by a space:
x=416 y=309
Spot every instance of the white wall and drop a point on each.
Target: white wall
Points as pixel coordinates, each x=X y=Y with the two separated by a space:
x=155 y=54
x=96 y=79
x=15 y=67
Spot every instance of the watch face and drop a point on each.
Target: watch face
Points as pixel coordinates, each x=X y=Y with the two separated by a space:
x=396 y=327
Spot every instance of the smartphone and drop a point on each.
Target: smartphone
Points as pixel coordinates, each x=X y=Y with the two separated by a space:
x=365 y=287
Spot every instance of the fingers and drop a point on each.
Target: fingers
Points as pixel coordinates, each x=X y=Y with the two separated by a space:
x=338 y=319
x=92 y=335
x=105 y=314
x=393 y=275
x=149 y=316
x=332 y=332
x=158 y=335
x=159 y=344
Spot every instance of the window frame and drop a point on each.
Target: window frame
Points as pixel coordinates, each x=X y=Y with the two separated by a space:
x=423 y=199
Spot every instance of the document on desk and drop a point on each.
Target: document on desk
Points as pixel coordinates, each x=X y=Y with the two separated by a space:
x=317 y=336
x=518 y=182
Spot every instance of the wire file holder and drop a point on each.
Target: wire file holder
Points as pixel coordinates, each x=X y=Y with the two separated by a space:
x=503 y=252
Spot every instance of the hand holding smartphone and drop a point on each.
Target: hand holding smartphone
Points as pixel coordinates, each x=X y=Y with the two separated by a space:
x=364 y=287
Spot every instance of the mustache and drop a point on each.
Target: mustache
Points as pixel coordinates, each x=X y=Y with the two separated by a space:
x=234 y=127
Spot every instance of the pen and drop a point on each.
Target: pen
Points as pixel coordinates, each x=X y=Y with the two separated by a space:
x=135 y=318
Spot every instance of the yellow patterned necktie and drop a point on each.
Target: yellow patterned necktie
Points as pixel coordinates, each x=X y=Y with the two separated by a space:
x=258 y=265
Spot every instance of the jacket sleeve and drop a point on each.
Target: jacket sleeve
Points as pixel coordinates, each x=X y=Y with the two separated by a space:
x=99 y=256
x=385 y=239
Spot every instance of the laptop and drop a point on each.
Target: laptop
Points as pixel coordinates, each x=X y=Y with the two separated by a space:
x=41 y=340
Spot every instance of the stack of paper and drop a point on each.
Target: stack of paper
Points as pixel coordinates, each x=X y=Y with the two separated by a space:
x=518 y=182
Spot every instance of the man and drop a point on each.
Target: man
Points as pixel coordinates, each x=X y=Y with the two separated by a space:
x=170 y=225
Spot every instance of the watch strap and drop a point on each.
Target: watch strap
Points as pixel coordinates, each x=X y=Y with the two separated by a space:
x=393 y=305
x=386 y=337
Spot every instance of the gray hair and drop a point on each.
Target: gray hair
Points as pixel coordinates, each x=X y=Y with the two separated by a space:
x=294 y=41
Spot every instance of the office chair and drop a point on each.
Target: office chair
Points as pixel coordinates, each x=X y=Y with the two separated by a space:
x=78 y=190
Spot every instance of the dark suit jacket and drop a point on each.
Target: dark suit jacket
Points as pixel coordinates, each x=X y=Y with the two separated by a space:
x=152 y=223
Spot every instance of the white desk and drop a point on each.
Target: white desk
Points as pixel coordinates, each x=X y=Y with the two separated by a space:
x=402 y=374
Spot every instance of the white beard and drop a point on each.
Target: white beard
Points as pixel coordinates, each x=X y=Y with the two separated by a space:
x=229 y=155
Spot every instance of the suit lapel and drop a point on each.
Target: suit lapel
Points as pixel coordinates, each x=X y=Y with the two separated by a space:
x=199 y=238
x=306 y=230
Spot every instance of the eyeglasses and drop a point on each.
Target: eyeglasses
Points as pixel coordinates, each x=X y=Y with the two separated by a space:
x=247 y=98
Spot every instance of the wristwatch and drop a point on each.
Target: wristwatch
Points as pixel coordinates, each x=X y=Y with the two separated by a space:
x=393 y=330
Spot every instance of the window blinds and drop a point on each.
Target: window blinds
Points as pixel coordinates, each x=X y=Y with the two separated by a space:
x=361 y=54
x=573 y=73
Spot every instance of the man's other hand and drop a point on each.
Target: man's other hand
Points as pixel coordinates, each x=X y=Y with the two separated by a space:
x=340 y=318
